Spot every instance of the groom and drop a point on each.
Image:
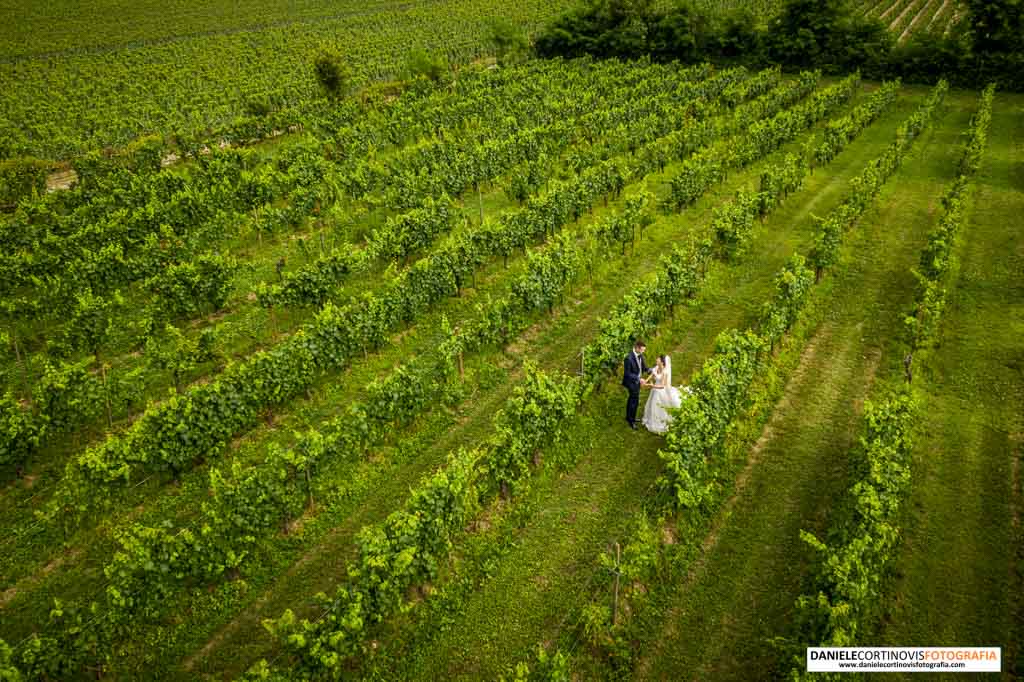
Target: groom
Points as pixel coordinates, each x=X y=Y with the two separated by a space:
x=633 y=369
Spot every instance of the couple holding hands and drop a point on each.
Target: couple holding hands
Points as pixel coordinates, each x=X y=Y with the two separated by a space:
x=663 y=394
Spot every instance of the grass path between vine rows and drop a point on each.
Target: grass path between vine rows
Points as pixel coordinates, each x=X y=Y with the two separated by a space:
x=958 y=575
x=719 y=622
x=526 y=594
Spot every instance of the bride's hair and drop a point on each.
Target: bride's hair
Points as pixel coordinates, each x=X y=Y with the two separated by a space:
x=662 y=358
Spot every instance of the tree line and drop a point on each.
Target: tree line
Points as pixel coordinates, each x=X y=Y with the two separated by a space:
x=831 y=35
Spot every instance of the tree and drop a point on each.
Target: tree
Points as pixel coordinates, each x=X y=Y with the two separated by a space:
x=740 y=35
x=333 y=73
x=826 y=34
x=509 y=42
x=996 y=25
x=801 y=34
x=680 y=33
x=423 y=64
x=605 y=28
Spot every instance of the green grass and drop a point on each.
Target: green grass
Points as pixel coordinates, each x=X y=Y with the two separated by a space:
x=960 y=569
x=958 y=577
x=555 y=344
x=521 y=573
x=248 y=328
x=547 y=571
x=743 y=591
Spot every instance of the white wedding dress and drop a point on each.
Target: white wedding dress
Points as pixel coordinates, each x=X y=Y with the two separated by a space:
x=656 y=417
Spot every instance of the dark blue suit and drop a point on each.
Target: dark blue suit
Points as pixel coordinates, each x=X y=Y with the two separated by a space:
x=633 y=368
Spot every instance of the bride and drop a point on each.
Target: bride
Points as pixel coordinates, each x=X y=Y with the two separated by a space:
x=663 y=395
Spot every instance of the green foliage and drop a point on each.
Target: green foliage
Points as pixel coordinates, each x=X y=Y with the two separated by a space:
x=262 y=672
x=762 y=135
x=826 y=34
x=733 y=223
x=971 y=161
x=851 y=568
x=634 y=568
x=509 y=42
x=121 y=227
x=740 y=34
x=435 y=171
x=791 y=288
x=807 y=33
x=528 y=178
x=201 y=285
x=547 y=667
x=640 y=556
x=680 y=32
x=629 y=29
x=779 y=181
x=922 y=325
x=839 y=132
x=719 y=392
x=407 y=548
x=21 y=178
x=995 y=26
x=193 y=425
x=598 y=631
x=59 y=657
x=114 y=81
x=937 y=253
x=423 y=64
x=853 y=562
x=835 y=36
x=527 y=423
x=829 y=238
x=174 y=352
x=700 y=425
x=412 y=231
x=406 y=551
x=145 y=154
x=92 y=320
x=20 y=432
x=865 y=187
x=333 y=73
x=8 y=671
x=69 y=394
x=548 y=273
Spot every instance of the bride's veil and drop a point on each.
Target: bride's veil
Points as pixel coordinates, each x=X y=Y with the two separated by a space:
x=668 y=371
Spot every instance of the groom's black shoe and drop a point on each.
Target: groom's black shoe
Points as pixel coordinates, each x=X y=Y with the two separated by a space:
x=633 y=426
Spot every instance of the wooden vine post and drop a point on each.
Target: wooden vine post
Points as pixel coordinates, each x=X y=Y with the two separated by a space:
x=106 y=394
x=309 y=488
x=462 y=369
x=618 y=573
